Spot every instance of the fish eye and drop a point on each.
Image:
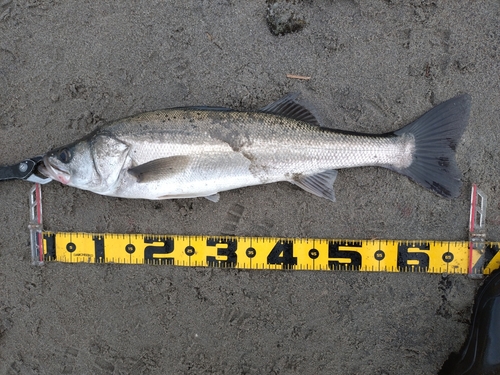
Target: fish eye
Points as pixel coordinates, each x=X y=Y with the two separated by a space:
x=64 y=156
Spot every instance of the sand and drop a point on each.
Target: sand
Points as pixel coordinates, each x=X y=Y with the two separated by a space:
x=68 y=66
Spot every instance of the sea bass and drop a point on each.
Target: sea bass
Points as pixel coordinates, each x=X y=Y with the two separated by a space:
x=200 y=151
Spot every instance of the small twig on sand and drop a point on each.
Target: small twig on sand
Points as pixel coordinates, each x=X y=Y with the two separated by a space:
x=295 y=76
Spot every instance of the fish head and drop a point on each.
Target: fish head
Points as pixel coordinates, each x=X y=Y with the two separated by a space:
x=93 y=163
x=71 y=164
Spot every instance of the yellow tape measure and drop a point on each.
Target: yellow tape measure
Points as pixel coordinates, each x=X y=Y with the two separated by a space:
x=473 y=257
x=268 y=253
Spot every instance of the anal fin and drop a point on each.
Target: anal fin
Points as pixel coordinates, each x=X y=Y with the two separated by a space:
x=320 y=184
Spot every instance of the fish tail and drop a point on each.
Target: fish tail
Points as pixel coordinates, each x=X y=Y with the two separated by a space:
x=436 y=135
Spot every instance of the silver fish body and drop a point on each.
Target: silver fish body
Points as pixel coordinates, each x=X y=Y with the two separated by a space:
x=200 y=151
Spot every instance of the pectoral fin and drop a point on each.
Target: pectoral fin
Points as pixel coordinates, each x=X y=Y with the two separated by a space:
x=160 y=168
x=320 y=184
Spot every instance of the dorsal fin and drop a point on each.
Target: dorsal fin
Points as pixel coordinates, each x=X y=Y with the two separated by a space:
x=288 y=107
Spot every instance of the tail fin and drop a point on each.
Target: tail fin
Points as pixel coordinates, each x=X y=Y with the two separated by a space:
x=436 y=135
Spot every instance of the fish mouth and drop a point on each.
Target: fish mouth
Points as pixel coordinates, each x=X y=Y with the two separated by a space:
x=50 y=170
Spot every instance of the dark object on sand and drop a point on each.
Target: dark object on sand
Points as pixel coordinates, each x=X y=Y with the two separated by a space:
x=480 y=354
x=282 y=19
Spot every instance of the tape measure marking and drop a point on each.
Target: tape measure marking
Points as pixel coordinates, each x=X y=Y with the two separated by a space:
x=267 y=252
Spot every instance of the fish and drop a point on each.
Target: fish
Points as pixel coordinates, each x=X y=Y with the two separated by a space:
x=190 y=152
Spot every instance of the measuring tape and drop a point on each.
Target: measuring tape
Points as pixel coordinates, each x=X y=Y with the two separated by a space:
x=266 y=253
x=466 y=257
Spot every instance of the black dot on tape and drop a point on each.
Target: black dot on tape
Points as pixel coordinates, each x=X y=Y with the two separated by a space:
x=251 y=252
x=71 y=247
x=313 y=254
x=130 y=248
x=189 y=250
x=448 y=257
x=379 y=255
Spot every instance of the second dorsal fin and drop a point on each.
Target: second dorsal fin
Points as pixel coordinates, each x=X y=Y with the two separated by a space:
x=288 y=107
